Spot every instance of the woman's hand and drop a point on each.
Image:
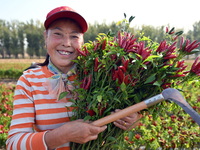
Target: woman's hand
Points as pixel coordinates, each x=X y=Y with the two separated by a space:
x=129 y=122
x=74 y=131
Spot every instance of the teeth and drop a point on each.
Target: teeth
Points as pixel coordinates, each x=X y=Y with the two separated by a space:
x=64 y=52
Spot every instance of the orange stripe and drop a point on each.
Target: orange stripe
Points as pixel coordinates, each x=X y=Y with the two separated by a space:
x=52 y=121
x=16 y=97
x=35 y=92
x=22 y=106
x=35 y=76
x=24 y=115
x=36 y=83
x=22 y=125
x=19 y=87
x=45 y=101
x=24 y=80
x=37 y=141
x=19 y=142
x=47 y=72
x=50 y=111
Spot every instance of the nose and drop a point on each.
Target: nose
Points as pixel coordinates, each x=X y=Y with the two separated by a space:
x=66 y=41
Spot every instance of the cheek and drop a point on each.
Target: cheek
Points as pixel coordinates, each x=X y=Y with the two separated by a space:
x=78 y=43
x=51 y=44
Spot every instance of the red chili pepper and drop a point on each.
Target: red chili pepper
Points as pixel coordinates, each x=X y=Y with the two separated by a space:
x=127 y=79
x=96 y=64
x=113 y=57
x=81 y=52
x=167 y=30
x=85 y=71
x=181 y=42
x=86 y=50
x=119 y=38
x=104 y=44
x=114 y=77
x=91 y=112
x=191 y=46
x=124 y=42
x=83 y=83
x=89 y=80
x=121 y=76
x=122 y=68
x=125 y=63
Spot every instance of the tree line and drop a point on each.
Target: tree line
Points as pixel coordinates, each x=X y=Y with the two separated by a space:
x=25 y=39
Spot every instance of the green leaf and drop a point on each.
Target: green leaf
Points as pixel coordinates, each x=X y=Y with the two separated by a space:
x=99 y=98
x=150 y=79
x=62 y=95
x=131 y=18
x=194 y=51
x=179 y=33
x=87 y=118
x=110 y=138
x=124 y=15
x=157 y=83
x=150 y=58
x=130 y=135
x=123 y=86
x=144 y=66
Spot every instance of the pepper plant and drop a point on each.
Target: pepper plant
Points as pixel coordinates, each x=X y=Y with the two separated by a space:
x=116 y=71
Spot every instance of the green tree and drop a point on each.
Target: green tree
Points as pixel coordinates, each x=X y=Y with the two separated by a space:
x=34 y=38
x=21 y=38
x=14 y=41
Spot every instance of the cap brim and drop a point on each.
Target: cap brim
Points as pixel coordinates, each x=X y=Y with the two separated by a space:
x=67 y=14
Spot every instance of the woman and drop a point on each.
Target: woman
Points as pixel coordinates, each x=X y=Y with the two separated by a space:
x=40 y=121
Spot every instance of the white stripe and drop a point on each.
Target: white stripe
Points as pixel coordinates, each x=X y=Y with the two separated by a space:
x=50 y=127
x=49 y=106
x=15 y=140
x=40 y=88
x=22 y=120
x=36 y=80
x=22 y=92
x=23 y=84
x=23 y=110
x=54 y=116
x=11 y=132
x=24 y=141
x=31 y=71
x=42 y=96
x=22 y=101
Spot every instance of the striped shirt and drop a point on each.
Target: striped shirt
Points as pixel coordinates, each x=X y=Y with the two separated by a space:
x=35 y=112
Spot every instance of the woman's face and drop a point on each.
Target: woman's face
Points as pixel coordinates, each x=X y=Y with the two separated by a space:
x=62 y=39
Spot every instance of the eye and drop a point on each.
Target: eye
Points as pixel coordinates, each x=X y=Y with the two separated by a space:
x=57 y=35
x=75 y=36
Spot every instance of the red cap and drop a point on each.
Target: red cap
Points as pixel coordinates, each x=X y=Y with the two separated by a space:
x=65 y=12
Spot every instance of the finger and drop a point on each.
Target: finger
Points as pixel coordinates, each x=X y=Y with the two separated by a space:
x=121 y=126
x=96 y=130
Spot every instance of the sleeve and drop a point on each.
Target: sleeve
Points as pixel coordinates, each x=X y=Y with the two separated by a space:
x=21 y=135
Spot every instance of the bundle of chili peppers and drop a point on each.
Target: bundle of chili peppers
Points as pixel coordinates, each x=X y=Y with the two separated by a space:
x=118 y=71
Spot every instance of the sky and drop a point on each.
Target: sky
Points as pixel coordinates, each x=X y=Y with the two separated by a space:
x=181 y=14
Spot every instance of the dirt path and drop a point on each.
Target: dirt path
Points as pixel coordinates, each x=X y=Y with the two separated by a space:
x=8 y=81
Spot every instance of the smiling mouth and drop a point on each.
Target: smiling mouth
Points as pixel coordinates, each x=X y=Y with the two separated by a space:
x=64 y=52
